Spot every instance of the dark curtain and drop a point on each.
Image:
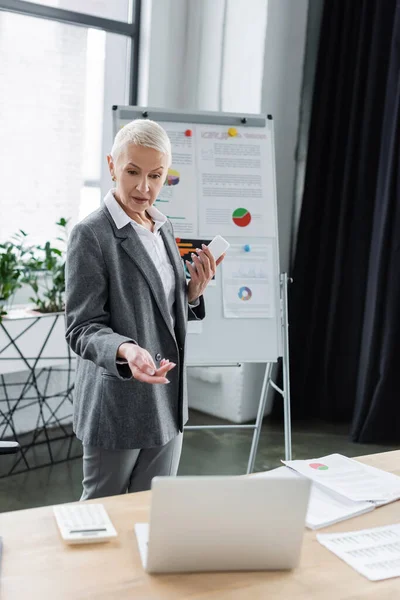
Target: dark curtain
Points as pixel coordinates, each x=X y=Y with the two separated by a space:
x=344 y=304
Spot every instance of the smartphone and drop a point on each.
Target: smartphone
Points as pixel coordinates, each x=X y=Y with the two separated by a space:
x=218 y=246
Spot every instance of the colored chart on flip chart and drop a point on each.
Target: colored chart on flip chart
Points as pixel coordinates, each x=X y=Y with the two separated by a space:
x=247 y=283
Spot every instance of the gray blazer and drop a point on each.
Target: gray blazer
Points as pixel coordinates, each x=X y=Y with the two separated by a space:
x=114 y=294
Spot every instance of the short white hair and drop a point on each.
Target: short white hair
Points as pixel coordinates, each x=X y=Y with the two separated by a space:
x=142 y=132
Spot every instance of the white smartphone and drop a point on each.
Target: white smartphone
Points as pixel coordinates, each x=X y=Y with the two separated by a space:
x=218 y=246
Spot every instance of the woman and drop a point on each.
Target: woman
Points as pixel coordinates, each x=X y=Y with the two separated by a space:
x=127 y=305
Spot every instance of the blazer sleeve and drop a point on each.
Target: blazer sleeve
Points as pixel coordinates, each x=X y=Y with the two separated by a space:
x=88 y=332
x=197 y=313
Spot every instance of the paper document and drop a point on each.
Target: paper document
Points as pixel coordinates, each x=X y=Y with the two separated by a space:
x=325 y=507
x=187 y=247
x=142 y=537
x=235 y=182
x=375 y=553
x=350 y=478
x=247 y=283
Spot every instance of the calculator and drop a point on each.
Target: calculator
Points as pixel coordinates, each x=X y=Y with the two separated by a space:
x=84 y=523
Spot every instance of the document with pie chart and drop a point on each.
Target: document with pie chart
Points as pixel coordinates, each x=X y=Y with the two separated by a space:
x=177 y=199
x=247 y=284
x=235 y=186
x=350 y=478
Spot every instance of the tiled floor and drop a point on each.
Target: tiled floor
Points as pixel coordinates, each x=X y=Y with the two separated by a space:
x=205 y=452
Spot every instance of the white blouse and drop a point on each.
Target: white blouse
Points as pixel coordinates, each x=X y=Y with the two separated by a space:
x=153 y=243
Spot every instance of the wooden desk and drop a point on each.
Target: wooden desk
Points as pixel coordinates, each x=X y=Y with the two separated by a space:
x=38 y=566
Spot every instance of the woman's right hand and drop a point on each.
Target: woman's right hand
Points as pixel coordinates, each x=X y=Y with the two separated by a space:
x=142 y=365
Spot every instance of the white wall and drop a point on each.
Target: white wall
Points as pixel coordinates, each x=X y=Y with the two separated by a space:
x=168 y=35
x=282 y=85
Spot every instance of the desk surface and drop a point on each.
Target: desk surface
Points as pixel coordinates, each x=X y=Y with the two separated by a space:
x=38 y=566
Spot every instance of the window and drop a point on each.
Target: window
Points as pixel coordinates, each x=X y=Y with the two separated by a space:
x=58 y=82
x=119 y=10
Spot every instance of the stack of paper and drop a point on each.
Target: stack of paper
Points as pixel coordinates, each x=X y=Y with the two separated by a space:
x=375 y=553
x=342 y=488
x=349 y=478
x=325 y=507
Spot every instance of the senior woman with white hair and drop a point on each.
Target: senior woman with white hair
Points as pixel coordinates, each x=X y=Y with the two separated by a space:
x=127 y=306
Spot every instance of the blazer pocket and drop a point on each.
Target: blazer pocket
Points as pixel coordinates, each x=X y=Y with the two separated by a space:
x=111 y=376
x=121 y=404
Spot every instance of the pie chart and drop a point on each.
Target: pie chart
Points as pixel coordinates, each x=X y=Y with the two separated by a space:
x=172 y=177
x=241 y=217
x=245 y=293
x=319 y=466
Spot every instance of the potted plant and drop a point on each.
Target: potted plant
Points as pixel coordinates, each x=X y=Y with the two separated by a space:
x=11 y=253
x=44 y=272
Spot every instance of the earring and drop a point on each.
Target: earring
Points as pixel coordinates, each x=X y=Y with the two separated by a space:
x=114 y=178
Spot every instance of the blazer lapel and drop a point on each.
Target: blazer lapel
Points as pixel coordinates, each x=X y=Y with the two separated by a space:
x=134 y=248
x=181 y=306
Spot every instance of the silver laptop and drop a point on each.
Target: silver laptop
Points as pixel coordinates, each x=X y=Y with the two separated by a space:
x=223 y=524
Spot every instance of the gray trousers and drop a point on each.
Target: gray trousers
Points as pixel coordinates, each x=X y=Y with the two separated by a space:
x=112 y=472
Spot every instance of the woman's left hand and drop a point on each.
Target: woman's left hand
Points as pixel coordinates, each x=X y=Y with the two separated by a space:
x=201 y=272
